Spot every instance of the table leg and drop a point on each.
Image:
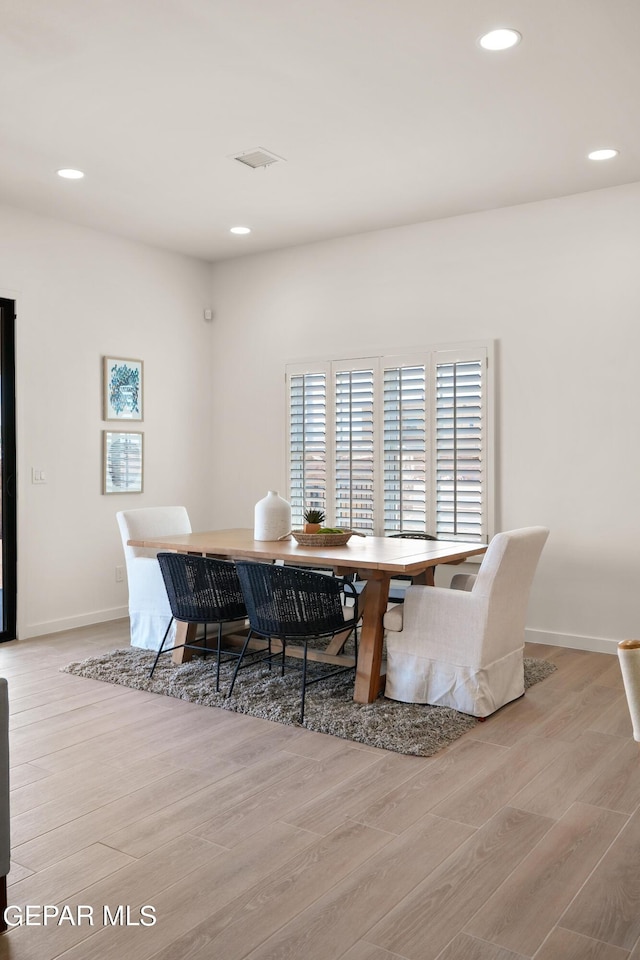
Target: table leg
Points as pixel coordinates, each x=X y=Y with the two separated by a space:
x=375 y=596
x=426 y=578
x=185 y=633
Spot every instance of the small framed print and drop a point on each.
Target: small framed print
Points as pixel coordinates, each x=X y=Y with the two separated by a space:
x=122 y=460
x=122 y=399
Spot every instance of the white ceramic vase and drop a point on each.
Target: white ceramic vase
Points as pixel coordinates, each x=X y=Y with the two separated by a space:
x=272 y=517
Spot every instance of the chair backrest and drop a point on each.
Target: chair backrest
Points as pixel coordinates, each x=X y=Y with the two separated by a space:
x=408 y=536
x=150 y=522
x=505 y=577
x=201 y=589
x=290 y=602
x=411 y=536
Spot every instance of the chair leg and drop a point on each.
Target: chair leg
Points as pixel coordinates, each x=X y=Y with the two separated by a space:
x=218 y=663
x=304 y=681
x=155 y=662
x=238 y=664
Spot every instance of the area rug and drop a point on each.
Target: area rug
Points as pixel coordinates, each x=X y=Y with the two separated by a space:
x=416 y=729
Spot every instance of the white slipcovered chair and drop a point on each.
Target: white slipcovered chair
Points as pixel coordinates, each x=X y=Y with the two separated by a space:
x=149 y=610
x=464 y=647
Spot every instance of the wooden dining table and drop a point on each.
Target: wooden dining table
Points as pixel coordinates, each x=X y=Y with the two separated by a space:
x=374 y=559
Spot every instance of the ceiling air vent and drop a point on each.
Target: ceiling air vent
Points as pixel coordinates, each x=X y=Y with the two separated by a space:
x=257 y=158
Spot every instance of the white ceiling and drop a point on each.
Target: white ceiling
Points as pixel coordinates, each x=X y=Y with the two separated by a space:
x=386 y=111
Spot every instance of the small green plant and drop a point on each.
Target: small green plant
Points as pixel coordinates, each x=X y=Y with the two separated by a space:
x=313 y=516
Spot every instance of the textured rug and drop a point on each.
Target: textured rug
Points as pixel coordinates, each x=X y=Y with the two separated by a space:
x=416 y=729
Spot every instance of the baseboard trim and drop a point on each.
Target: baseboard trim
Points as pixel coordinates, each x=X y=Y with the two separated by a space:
x=69 y=623
x=573 y=641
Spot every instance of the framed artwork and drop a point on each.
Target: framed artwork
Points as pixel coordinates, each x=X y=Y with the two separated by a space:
x=122 y=398
x=122 y=461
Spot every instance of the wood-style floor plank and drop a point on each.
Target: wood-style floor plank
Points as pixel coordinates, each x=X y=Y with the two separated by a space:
x=337 y=802
x=188 y=812
x=75 y=833
x=608 y=906
x=552 y=791
x=566 y=945
x=429 y=917
x=367 y=951
x=481 y=797
x=522 y=912
x=464 y=947
x=279 y=800
x=439 y=778
x=618 y=785
x=67 y=877
x=25 y=773
x=86 y=780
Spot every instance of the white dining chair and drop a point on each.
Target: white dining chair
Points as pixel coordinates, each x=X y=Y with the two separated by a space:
x=149 y=610
x=464 y=647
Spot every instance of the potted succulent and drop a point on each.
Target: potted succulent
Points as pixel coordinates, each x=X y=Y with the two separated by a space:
x=313 y=520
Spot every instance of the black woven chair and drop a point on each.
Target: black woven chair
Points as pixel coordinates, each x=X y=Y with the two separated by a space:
x=411 y=536
x=293 y=604
x=201 y=590
x=396 y=594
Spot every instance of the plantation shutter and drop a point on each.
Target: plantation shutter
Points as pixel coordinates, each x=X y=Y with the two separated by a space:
x=355 y=447
x=460 y=449
x=307 y=443
x=388 y=445
x=404 y=449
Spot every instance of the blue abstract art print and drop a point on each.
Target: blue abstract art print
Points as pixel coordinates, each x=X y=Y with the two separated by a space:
x=122 y=389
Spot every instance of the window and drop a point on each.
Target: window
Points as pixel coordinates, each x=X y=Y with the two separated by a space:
x=394 y=444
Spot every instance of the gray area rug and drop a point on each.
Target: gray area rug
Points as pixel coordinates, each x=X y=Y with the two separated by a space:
x=416 y=729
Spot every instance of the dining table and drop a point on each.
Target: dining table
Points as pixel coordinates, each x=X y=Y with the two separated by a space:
x=374 y=559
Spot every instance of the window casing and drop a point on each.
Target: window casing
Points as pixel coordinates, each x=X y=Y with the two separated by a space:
x=395 y=444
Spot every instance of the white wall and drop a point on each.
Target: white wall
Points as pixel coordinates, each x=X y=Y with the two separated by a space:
x=82 y=295
x=557 y=285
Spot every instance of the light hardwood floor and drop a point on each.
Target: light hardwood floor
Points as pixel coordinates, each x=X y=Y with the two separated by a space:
x=254 y=840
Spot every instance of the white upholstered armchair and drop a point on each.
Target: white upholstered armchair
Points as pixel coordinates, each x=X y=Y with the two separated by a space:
x=149 y=611
x=464 y=647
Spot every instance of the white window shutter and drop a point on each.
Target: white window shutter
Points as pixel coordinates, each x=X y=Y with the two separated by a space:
x=355 y=448
x=404 y=449
x=307 y=443
x=460 y=448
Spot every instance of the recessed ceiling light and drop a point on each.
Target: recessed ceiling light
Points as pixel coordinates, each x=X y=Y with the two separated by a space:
x=500 y=39
x=607 y=154
x=240 y=230
x=69 y=174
